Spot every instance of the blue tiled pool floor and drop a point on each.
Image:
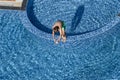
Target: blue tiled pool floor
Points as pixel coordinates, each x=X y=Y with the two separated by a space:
x=25 y=55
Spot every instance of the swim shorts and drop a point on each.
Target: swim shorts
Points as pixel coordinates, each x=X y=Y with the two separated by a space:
x=63 y=26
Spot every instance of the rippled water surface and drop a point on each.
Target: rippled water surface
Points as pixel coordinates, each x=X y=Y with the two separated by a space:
x=27 y=51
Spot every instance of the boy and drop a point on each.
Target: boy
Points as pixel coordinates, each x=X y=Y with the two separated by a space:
x=59 y=27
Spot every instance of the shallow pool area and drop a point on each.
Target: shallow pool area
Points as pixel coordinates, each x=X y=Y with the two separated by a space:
x=92 y=50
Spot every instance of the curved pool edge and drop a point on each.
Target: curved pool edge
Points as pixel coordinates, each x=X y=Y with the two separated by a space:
x=26 y=22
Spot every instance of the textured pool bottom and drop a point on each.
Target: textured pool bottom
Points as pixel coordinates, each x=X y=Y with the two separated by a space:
x=24 y=56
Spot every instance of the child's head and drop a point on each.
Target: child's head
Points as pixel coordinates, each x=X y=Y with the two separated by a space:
x=56 y=28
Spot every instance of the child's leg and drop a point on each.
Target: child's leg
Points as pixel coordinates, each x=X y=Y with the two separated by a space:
x=63 y=36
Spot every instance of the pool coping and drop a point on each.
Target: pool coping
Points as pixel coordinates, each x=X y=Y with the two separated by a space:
x=24 y=4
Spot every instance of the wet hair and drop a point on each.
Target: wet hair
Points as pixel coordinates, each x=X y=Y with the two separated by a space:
x=56 y=28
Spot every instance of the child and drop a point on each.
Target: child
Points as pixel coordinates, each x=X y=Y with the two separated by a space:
x=59 y=27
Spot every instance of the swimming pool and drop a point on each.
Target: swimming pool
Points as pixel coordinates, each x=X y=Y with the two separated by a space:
x=91 y=52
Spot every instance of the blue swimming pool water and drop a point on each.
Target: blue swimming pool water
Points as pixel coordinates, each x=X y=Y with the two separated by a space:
x=27 y=55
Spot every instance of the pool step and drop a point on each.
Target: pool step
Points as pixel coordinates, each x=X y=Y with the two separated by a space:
x=15 y=3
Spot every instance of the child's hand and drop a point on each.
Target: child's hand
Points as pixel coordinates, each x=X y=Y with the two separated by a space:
x=56 y=41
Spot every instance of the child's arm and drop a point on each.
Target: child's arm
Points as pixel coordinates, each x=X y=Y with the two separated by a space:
x=53 y=34
x=59 y=38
